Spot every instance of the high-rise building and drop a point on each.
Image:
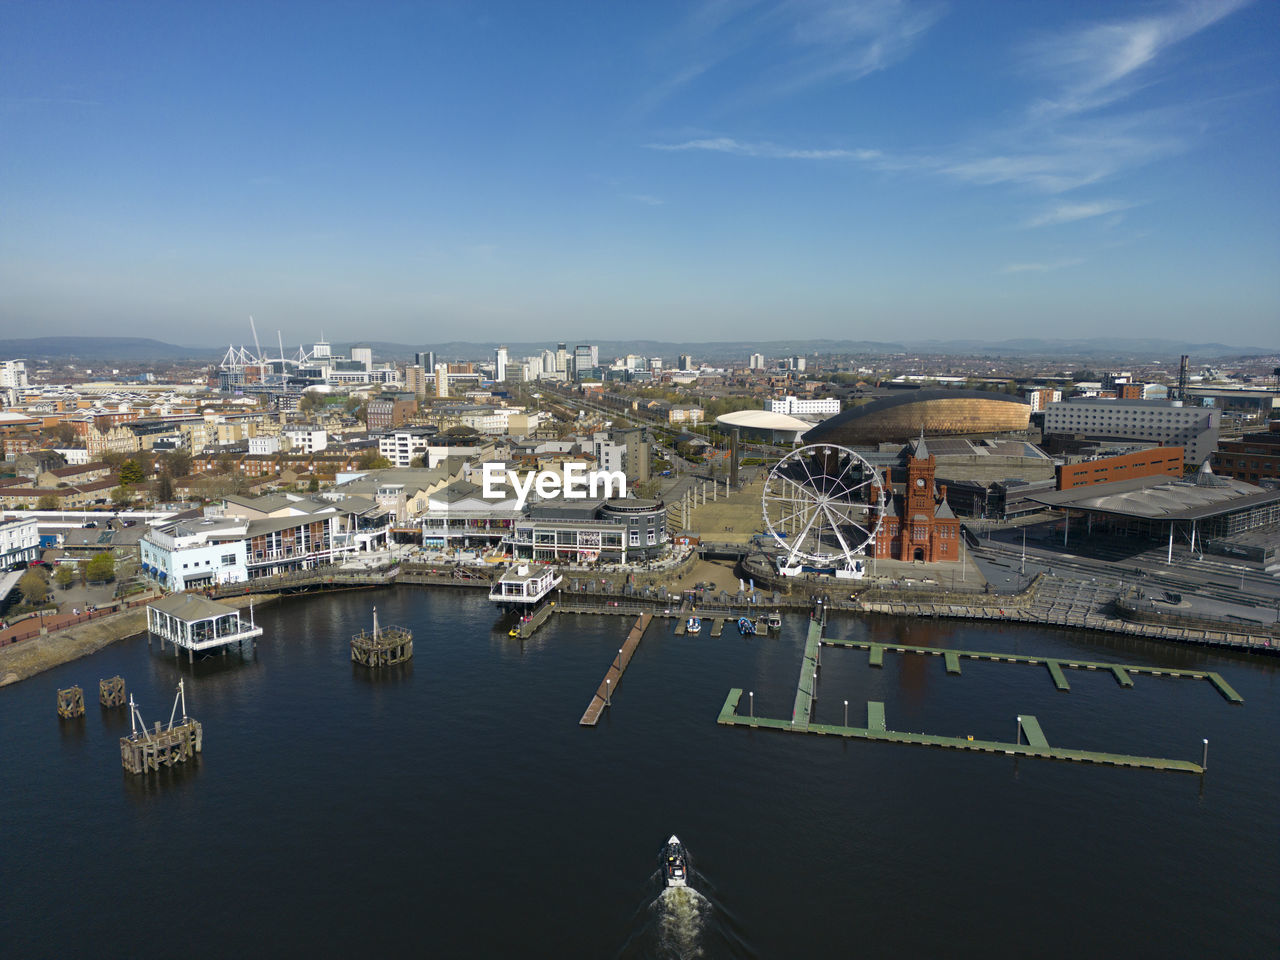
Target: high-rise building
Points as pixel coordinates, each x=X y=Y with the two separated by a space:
x=562 y=361
x=686 y=362
x=425 y=359
x=584 y=360
x=363 y=355
x=442 y=379
x=415 y=379
x=756 y=362
x=500 y=364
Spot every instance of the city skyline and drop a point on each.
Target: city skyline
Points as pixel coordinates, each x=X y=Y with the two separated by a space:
x=880 y=171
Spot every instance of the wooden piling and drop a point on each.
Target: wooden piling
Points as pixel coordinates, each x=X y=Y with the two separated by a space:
x=70 y=703
x=111 y=692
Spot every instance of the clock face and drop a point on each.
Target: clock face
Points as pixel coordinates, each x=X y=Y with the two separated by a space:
x=919 y=481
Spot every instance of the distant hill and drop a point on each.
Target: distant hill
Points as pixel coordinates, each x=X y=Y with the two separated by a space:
x=90 y=349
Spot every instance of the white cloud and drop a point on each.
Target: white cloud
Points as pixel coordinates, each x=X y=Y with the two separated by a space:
x=1042 y=266
x=768 y=150
x=792 y=44
x=1099 y=63
x=646 y=199
x=1071 y=212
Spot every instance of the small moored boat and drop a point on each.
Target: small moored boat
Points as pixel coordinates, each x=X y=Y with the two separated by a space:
x=675 y=867
x=693 y=625
x=746 y=627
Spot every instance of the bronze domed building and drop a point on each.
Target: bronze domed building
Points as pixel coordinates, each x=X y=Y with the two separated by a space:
x=938 y=413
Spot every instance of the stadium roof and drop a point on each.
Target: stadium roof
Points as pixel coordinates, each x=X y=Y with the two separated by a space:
x=763 y=420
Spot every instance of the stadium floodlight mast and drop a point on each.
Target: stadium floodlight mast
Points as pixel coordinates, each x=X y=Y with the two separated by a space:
x=824 y=505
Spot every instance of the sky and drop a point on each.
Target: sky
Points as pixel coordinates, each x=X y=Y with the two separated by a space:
x=430 y=172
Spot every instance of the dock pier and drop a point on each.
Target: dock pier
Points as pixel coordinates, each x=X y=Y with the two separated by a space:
x=196 y=624
x=609 y=685
x=1036 y=745
x=528 y=623
x=382 y=647
x=148 y=750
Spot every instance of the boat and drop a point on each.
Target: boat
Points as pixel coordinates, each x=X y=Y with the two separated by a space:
x=693 y=625
x=746 y=627
x=774 y=620
x=675 y=867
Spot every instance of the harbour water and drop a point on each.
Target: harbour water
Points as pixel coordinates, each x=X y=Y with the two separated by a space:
x=453 y=807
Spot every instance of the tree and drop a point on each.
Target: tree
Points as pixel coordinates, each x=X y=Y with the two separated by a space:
x=47 y=502
x=461 y=430
x=101 y=568
x=313 y=485
x=65 y=575
x=418 y=462
x=34 y=587
x=177 y=463
x=164 y=488
x=372 y=460
x=121 y=495
x=131 y=472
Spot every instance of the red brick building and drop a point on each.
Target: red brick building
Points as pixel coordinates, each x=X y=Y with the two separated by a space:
x=1144 y=463
x=918 y=524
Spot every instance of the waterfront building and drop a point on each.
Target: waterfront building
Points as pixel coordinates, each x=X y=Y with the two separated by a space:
x=918 y=524
x=583 y=531
x=1156 y=461
x=19 y=541
x=196 y=553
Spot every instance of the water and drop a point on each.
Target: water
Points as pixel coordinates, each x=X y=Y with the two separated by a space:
x=454 y=807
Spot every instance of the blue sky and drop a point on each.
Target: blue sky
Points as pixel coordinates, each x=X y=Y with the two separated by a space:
x=703 y=171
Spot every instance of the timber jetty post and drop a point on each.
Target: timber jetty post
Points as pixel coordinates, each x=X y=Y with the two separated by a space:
x=383 y=647
x=145 y=750
x=70 y=703
x=111 y=692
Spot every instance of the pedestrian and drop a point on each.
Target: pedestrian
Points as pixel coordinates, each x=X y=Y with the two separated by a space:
x=75 y=611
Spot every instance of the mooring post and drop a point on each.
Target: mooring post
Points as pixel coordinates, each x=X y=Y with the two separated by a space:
x=608 y=691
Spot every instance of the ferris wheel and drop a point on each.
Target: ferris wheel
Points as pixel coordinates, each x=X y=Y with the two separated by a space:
x=823 y=504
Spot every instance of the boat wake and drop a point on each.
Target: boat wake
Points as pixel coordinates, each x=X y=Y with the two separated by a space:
x=683 y=923
x=681 y=916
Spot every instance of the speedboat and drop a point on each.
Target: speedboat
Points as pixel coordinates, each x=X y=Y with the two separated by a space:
x=675 y=868
x=774 y=620
x=746 y=627
x=693 y=625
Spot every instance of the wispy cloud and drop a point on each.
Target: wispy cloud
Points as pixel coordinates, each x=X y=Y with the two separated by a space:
x=646 y=199
x=1105 y=62
x=1071 y=212
x=769 y=150
x=793 y=44
x=1042 y=266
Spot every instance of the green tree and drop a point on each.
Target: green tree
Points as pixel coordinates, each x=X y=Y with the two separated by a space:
x=164 y=488
x=34 y=587
x=65 y=575
x=131 y=472
x=47 y=502
x=100 y=568
x=121 y=495
x=313 y=485
x=372 y=460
